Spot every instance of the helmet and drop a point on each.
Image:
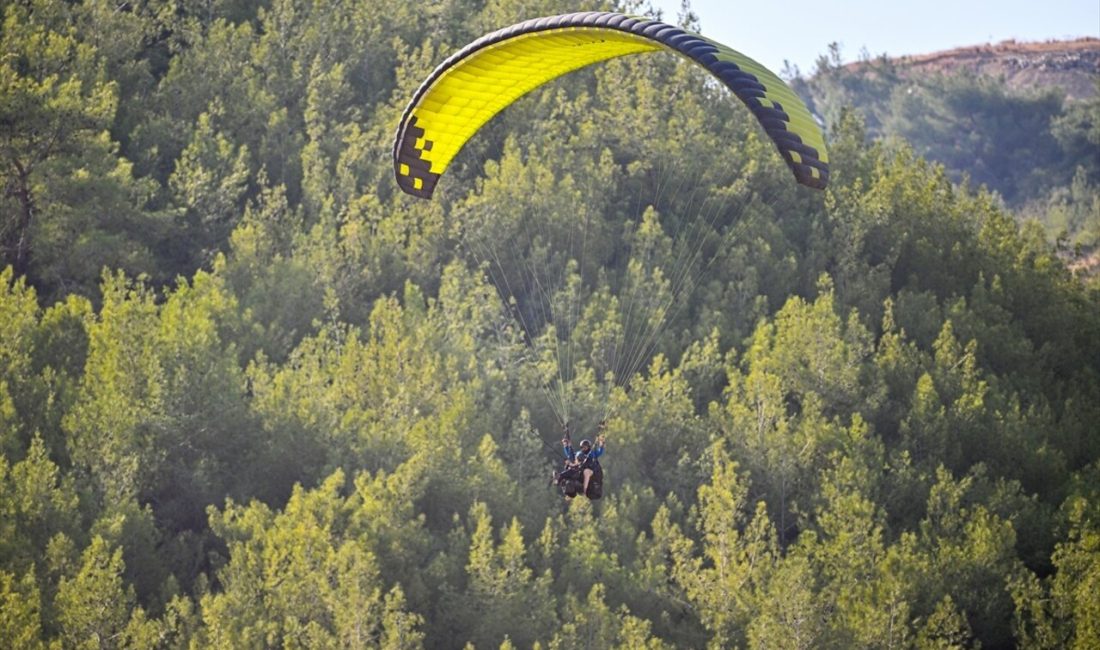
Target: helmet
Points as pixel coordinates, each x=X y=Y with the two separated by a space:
x=586 y=444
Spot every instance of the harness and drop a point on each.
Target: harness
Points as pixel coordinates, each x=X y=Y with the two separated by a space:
x=586 y=460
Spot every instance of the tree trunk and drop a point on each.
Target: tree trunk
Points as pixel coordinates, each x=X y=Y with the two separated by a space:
x=16 y=241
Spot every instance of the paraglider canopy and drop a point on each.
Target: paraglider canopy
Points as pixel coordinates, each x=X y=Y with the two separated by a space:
x=489 y=74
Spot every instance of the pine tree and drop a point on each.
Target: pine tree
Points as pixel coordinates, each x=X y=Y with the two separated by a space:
x=95 y=606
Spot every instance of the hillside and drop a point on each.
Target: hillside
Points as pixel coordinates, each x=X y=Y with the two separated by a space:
x=1020 y=119
x=252 y=395
x=1072 y=65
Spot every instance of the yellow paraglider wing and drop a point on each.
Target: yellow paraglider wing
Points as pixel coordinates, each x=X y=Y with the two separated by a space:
x=483 y=78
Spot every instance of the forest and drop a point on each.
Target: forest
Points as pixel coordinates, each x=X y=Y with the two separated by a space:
x=254 y=396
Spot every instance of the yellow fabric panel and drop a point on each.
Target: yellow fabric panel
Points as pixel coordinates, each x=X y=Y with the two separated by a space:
x=467 y=96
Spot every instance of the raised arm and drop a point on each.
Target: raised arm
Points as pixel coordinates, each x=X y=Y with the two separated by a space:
x=598 y=450
x=567 y=443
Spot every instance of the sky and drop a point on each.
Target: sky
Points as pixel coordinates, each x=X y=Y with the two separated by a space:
x=800 y=31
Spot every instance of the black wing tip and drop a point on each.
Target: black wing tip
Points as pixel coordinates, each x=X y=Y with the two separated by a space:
x=413 y=173
x=804 y=176
x=422 y=189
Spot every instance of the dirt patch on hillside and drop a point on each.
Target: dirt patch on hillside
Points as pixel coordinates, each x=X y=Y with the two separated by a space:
x=1073 y=65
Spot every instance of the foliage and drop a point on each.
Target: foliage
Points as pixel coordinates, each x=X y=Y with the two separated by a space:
x=251 y=396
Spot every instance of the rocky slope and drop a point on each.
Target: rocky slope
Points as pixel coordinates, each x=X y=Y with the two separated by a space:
x=1072 y=65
